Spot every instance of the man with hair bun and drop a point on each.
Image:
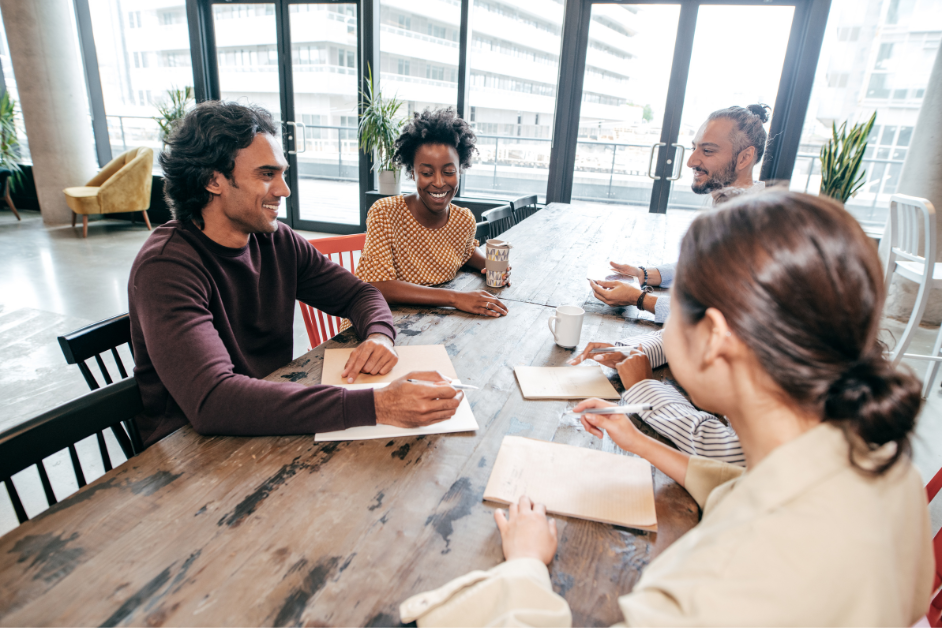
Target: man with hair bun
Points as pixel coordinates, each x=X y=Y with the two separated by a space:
x=212 y=298
x=726 y=149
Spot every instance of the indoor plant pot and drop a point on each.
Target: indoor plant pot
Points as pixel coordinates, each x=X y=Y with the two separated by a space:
x=390 y=181
x=379 y=129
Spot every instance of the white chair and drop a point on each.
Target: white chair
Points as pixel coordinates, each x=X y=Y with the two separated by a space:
x=907 y=215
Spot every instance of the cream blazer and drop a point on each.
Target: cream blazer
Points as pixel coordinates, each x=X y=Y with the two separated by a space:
x=801 y=539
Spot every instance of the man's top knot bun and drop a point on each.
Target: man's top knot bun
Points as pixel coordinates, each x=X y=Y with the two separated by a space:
x=760 y=110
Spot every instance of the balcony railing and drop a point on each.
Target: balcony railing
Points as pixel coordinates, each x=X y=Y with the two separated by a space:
x=609 y=171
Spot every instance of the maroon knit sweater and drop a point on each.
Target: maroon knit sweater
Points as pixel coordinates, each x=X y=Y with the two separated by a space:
x=208 y=321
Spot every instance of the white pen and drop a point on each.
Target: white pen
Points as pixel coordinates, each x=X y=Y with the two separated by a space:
x=455 y=386
x=634 y=409
x=625 y=350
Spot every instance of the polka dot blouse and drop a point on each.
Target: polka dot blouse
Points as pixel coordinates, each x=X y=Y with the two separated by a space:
x=398 y=247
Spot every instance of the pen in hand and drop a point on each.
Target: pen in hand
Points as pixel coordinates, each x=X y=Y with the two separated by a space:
x=631 y=409
x=455 y=386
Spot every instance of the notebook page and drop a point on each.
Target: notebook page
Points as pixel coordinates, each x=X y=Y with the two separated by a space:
x=411 y=358
x=564 y=382
x=575 y=482
x=463 y=421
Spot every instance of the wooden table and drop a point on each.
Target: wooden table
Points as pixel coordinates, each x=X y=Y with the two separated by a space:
x=283 y=531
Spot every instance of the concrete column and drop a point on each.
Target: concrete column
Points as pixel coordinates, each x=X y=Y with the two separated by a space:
x=922 y=176
x=51 y=82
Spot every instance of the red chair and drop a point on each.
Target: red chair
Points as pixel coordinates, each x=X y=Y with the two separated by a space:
x=320 y=326
x=934 y=616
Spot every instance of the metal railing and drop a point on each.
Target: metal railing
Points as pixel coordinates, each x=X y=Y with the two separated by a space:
x=870 y=166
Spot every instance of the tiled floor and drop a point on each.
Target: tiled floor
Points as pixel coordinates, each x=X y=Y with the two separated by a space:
x=54 y=281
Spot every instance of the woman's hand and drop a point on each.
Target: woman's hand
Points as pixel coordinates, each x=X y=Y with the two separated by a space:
x=615 y=293
x=480 y=302
x=619 y=427
x=607 y=359
x=634 y=368
x=506 y=276
x=528 y=533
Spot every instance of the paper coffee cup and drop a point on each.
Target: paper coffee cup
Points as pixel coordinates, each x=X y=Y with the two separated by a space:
x=497 y=255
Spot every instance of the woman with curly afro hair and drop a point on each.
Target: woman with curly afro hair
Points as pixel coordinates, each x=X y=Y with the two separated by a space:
x=417 y=241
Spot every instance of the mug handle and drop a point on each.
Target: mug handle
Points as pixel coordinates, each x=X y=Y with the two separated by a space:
x=552 y=327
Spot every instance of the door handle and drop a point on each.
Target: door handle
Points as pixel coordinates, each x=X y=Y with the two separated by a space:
x=303 y=137
x=651 y=159
x=683 y=151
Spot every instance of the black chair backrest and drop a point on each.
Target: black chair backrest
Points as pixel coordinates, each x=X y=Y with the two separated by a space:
x=93 y=341
x=499 y=220
x=29 y=443
x=525 y=206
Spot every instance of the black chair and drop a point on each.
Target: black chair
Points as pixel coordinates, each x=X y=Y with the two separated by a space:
x=525 y=206
x=29 y=443
x=93 y=341
x=496 y=221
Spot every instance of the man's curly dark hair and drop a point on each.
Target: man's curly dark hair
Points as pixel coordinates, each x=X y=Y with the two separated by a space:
x=441 y=126
x=204 y=142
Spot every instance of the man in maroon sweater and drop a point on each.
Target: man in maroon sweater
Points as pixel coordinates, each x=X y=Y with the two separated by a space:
x=212 y=299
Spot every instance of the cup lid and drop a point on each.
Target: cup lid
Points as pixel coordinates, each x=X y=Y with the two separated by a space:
x=499 y=244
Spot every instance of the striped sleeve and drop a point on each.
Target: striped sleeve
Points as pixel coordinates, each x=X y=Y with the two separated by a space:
x=651 y=344
x=694 y=432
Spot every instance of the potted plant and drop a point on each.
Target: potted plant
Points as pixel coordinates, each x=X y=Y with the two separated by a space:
x=10 y=171
x=379 y=129
x=171 y=113
x=841 y=158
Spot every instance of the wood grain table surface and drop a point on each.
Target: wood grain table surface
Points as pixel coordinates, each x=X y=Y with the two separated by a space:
x=284 y=531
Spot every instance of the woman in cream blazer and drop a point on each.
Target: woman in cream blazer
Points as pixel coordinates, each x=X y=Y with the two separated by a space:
x=777 y=303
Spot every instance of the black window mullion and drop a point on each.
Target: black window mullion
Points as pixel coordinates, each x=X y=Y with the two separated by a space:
x=83 y=20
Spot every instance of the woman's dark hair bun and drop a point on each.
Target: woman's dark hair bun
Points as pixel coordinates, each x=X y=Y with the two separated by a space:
x=760 y=110
x=877 y=403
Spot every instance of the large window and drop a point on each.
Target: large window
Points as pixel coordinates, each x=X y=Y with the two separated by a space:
x=143 y=50
x=877 y=56
x=514 y=59
x=419 y=55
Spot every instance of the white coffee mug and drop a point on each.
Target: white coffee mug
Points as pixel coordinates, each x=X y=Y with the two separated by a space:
x=568 y=325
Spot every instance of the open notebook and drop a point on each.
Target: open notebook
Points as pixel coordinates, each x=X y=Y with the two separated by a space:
x=411 y=358
x=574 y=482
x=564 y=382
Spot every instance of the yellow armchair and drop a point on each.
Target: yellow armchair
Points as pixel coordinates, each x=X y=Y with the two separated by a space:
x=123 y=185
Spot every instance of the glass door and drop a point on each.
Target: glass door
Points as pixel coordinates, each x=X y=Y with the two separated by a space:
x=299 y=60
x=750 y=43
x=654 y=72
x=624 y=101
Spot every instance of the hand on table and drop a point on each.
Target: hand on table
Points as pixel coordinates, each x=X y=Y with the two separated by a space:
x=628 y=270
x=480 y=302
x=654 y=275
x=619 y=427
x=634 y=368
x=405 y=404
x=375 y=356
x=527 y=533
x=606 y=359
x=615 y=293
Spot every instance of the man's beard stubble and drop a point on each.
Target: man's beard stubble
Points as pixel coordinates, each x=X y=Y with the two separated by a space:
x=717 y=181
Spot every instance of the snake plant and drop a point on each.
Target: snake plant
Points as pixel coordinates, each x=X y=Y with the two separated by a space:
x=841 y=159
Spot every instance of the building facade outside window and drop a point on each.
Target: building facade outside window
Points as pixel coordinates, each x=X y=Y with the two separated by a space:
x=143 y=50
x=877 y=56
